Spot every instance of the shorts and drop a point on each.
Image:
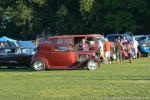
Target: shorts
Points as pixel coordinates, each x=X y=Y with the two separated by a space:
x=101 y=53
x=107 y=54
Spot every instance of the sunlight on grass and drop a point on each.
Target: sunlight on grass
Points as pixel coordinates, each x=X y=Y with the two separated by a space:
x=123 y=81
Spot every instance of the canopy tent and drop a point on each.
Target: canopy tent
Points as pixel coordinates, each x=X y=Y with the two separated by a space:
x=26 y=44
x=9 y=41
x=5 y=39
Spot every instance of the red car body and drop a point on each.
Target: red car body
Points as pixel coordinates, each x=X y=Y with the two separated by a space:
x=60 y=56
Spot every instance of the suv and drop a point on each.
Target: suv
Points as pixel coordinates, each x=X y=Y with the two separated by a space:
x=62 y=56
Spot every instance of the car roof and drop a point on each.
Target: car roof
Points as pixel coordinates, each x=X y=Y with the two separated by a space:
x=74 y=36
x=117 y=34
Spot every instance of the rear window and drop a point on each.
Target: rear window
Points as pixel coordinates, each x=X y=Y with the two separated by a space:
x=144 y=40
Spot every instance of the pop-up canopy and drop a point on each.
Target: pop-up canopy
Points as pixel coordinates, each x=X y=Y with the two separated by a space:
x=5 y=39
x=26 y=44
x=9 y=41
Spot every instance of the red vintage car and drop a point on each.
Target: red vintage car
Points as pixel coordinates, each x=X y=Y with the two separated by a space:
x=62 y=56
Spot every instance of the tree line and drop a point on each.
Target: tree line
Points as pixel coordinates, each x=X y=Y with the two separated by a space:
x=25 y=19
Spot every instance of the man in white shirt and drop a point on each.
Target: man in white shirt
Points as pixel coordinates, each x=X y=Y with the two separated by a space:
x=101 y=49
x=135 y=47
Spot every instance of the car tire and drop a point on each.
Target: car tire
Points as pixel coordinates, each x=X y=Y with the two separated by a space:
x=39 y=65
x=92 y=65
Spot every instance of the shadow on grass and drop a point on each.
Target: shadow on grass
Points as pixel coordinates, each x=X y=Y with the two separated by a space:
x=137 y=79
x=25 y=69
x=123 y=79
x=16 y=69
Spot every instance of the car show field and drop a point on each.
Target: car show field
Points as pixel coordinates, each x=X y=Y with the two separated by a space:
x=110 y=82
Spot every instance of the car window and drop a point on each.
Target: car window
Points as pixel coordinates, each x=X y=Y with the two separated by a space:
x=7 y=51
x=29 y=51
x=61 y=49
x=2 y=52
x=144 y=39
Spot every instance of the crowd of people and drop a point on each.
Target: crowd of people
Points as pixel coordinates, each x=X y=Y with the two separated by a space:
x=3 y=44
x=118 y=49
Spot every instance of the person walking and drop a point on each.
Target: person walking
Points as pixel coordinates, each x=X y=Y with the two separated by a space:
x=107 y=47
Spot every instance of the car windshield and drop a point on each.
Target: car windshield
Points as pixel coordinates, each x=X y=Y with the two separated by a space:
x=113 y=38
x=144 y=39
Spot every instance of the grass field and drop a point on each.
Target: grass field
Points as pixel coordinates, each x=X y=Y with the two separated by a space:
x=111 y=82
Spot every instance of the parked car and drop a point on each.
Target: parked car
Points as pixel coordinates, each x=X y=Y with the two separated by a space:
x=62 y=56
x=13 y=57
x=137 y=37
x=144 y=44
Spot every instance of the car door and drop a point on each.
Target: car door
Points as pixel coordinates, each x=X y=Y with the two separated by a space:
x=7 y=57
x=61 y=58
x=3 y=57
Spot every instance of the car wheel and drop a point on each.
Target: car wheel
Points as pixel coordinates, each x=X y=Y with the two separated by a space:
x=92 y=65
x=38 y=65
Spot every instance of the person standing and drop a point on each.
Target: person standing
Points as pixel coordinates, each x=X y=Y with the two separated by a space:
x=85 y=46
x=101 y=50
x=107 y=47
x=124 y=39
x=130 y=52
x=118 y=50
x=135 y=47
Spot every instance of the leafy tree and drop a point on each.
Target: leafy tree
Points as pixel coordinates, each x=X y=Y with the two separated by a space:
x=24 y=19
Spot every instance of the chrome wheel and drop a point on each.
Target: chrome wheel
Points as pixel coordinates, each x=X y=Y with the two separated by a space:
x=92 y=65
x=39 y=65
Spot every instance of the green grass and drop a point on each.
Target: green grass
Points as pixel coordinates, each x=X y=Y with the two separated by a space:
x=111 y=82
